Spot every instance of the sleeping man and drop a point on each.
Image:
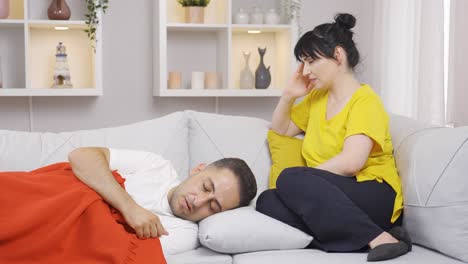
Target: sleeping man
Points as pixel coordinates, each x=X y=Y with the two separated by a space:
x=105 y=205
x=152 y=186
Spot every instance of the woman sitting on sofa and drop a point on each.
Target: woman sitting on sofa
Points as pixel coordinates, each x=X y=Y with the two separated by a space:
x=349 y=197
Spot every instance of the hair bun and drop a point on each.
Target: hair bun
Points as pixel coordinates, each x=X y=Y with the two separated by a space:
x=346 y=21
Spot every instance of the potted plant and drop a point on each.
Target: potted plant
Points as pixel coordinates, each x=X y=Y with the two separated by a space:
x=92 y=19
x=194 y=10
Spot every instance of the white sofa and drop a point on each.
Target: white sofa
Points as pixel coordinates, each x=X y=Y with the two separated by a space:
x=432 y=161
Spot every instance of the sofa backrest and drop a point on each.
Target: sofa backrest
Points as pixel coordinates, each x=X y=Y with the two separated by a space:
x=433 y=167
x=166 y=136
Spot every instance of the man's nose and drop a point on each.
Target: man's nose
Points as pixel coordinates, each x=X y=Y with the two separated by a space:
x=203 y=199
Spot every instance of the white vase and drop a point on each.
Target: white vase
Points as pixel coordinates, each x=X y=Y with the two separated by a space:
x=247 y=78
x=241 y=17
x=271 y=17
x=198 y=80
x=257 y=16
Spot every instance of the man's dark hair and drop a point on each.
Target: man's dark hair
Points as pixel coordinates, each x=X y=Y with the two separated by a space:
x=244 y=175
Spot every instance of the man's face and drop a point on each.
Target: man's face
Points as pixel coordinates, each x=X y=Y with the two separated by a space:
x=207 y=191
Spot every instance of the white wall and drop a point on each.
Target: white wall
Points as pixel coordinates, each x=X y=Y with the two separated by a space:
x=127 y=43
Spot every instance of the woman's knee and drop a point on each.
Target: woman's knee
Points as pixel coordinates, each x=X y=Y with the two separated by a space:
x=290 y=179
x=266 y=201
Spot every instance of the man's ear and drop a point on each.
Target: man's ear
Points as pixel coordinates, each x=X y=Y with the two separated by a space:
x=197 y=169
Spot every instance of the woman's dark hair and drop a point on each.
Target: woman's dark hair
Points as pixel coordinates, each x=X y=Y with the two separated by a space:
x=244 y=175
x=322 y=41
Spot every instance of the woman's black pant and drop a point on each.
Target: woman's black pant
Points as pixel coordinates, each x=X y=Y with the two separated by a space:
x=342 y=215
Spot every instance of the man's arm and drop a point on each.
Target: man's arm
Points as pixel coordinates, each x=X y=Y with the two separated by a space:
x=91 y=166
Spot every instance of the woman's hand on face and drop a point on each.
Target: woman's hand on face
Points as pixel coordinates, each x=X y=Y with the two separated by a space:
x=299 y=85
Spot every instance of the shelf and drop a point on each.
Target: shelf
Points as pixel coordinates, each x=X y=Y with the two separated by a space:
x=50 y=92
x=43 y=40
x=278 y=55
x=11 y=23
x=270 y=92
x=210 y=46
x=50 y=24
x=243 y=28
x=216 y=46
x=195 y=27
x=28 y=44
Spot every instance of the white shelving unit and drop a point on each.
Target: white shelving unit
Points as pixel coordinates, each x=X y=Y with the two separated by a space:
x=216 y=46
x=28 y=40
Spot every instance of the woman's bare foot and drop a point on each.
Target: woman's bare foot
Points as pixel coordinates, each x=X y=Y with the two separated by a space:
x=384 y=238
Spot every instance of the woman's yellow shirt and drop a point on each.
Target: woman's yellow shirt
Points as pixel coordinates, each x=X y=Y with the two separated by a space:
x=363 y=114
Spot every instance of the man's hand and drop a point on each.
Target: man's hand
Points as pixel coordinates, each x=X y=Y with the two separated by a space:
x=145 y=223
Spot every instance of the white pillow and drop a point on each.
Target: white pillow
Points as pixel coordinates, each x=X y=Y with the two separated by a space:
x=246 y=230
x=183 y=235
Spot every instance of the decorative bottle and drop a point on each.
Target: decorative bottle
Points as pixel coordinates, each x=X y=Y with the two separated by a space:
x=247 y=78
x=262 y=74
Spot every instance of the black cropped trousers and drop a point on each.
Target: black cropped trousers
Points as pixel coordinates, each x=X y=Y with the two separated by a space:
x=342 y=215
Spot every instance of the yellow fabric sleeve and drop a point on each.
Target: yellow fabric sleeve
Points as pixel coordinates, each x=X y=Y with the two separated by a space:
x=367 y=116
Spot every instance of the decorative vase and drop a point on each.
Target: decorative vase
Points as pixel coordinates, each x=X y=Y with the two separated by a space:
x=257 y=16
x=262 y=74
x=194 y=14
x=59 y=10
x=271 y=17
x=247 y=78
x=4 y=9
x=241 y=17
x=198 y=80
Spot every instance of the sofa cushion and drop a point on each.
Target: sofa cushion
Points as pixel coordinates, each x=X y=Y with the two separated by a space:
x=433 y=166
x=419 y=255
x=213 y=136
x=246 y=230
x=285 y=152
x=402 y=128
x=199 y=256
x=166 y=136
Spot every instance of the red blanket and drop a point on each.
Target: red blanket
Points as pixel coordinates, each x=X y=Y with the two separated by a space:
x=49 y=216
